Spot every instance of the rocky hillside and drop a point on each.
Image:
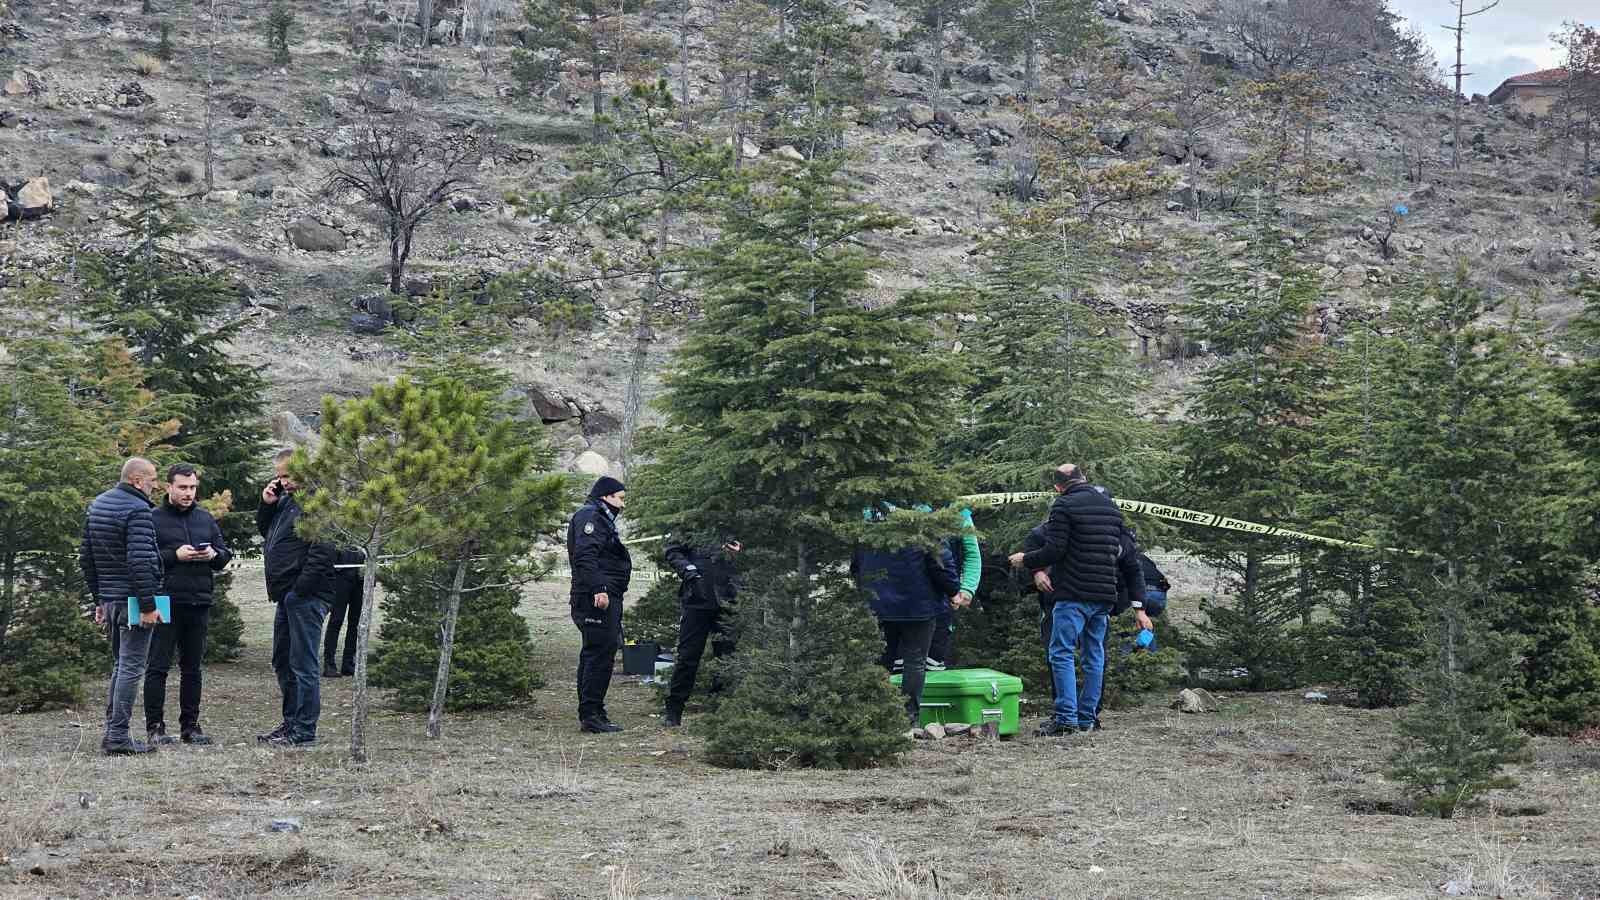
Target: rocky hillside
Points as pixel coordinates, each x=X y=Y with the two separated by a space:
x=79 y=115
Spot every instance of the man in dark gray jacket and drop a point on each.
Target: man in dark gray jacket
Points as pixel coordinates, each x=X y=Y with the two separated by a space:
x=300 y=581
x=120 y=561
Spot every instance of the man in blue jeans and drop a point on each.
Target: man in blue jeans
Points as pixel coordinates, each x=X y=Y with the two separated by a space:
x=121 y=562
x=1076 y=572
x=300 y=580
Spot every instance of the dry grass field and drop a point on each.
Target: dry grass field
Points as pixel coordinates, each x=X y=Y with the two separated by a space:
x=1268 y=798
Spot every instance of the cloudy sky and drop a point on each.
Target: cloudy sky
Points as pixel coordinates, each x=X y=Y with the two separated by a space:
x=1510 y=39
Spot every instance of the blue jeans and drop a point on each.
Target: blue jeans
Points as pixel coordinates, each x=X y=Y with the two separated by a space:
x=131 y=647
x=1069 y=620
x=296 y=641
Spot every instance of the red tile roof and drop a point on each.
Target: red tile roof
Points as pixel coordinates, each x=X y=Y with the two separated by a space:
x=1543 y=76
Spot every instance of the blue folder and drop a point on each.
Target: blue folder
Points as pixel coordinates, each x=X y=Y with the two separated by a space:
x=163 y=606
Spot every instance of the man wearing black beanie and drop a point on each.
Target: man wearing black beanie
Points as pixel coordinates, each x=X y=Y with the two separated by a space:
x=601 y=568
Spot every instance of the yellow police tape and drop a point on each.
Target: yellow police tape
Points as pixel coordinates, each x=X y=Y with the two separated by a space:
x=1172 y=513
x=1140 y=507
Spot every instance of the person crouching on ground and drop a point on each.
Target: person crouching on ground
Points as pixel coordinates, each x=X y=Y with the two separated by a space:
x=708 y=588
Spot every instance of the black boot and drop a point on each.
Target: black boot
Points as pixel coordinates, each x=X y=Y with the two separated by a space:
x=156 y=735
x=125 y=747
x=597 y=726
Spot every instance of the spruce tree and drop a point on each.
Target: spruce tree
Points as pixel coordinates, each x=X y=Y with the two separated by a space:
x=171 y=312
x=1473 y=480
x=1377 y=629
x=1477 y=479
x=1244 y=448
x=793 y=406
x=68 y=404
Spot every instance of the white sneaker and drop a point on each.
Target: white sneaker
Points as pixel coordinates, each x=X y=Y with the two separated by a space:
x=935 y=665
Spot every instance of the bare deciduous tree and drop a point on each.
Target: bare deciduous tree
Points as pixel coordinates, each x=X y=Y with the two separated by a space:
x=1282 y=36
x=1579 y=103
x=406 y=169
x=213 y=24
x=1460 y=29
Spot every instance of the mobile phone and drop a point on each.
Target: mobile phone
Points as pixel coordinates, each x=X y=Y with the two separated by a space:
x=277 y=487
x=202 y=547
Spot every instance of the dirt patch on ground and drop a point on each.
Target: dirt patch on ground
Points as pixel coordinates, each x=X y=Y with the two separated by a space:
x=1270 y=797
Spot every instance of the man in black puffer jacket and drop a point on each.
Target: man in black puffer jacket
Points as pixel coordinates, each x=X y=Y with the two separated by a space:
x=300 y=581
x=709 y=586
x=192 y=552
x=120 y=561
x=1082 y=544
x=601 y=570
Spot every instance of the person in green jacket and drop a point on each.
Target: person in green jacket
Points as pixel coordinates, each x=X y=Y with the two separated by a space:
x=970 y=562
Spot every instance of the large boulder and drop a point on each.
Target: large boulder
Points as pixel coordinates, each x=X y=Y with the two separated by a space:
x=377 y=94
x=366 y=323
x=979 y=73
x=310 y=235
x=591 y=463
x=288 y=429
x=35 y=199
x=1133 y=13
x=910 y=64
x=105 y=176
x=550 y=409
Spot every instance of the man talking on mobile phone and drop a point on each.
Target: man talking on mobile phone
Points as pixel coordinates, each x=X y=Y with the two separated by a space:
x=192 y=552
x=300 y=581
x=120 y=562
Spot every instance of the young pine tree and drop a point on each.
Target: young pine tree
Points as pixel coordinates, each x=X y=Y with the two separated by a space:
x=600 y=40
x=1244 y=448
x=638 y=187
x=1035 y=30
x=451 y=630
x=936 y=22
x=280 y=27
x=172 y=314
x=793 y=406
x=386 y=472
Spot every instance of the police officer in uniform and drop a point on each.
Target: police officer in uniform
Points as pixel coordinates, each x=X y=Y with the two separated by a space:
x=709 y=586
x=600 y=571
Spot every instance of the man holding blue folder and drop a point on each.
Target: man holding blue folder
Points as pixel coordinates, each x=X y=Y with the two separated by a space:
x=121 y=562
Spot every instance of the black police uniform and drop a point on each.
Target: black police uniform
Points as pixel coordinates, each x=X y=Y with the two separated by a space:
x=600 y=564
x=709 y=588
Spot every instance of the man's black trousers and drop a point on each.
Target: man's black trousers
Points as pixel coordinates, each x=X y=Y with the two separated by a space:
x=694 y=627
x=346 y=611
x=187 y=635
x=602 y=638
